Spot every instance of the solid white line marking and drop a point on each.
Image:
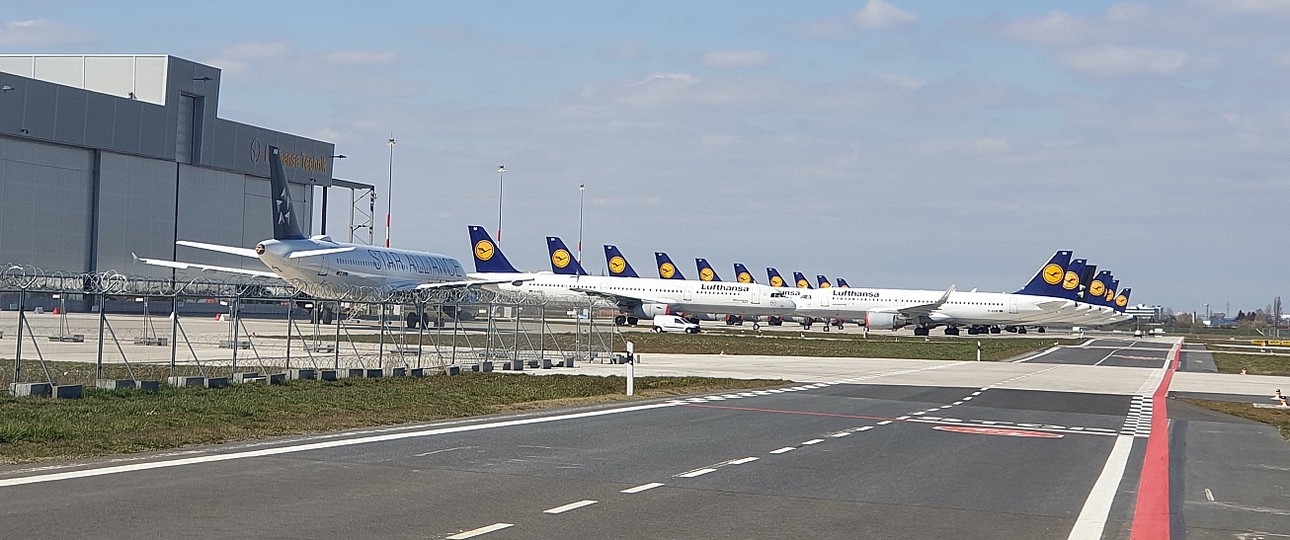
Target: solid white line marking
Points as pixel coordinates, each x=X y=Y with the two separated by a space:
x=782 y=450
x=743 y=461
x=1209 y=495
x=568 y=507
x=1032 y=357
x=642 y=487
x=693 y=474
x=479 y=531
x=812 y=441
x=1092 y=518
x=319 y=445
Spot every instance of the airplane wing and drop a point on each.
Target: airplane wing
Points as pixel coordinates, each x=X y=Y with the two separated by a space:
x=621 y=299
x=923 y=310
x=231 y=250
x=177 y=265
x=468 y=283
x=318 y=252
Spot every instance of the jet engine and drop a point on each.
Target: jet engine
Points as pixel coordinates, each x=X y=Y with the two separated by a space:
x=877 y=320
x=649 y=310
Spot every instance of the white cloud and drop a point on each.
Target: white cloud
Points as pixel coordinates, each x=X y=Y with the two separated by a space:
x=40 y=32
x=1111 y=60
x=1282 y=60
x=736 y=59
x=362 y=57
x=1126 y=12
x=257 y=49
x=1055 y=27
x=879 y=14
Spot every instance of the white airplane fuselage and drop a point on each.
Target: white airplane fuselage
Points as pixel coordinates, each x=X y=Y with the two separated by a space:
x=676 y=295
x=960 y=308
x=357 y=270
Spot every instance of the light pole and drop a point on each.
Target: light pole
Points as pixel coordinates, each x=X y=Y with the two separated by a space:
x=389 y=199
x=582 y=196
x=501 y=169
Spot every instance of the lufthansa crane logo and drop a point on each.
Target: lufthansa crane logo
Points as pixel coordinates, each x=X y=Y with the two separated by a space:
x=560 y=258
x=1053 y=273
x=776 y=281
x=706 y=274
x=802 y=284
x=1110 y=295
x=825 y=285
x=1121 y=301
x=259 y=249
x=1097 y=288
x=1070 y=281
x=744 y=277
x=484 y=250
x=666 y=270
x=617 y=264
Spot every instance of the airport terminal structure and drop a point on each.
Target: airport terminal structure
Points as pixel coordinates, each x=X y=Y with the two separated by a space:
x=102 y=156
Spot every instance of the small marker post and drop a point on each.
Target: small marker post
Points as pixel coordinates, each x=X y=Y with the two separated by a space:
x=631 y=371
x=978 y=350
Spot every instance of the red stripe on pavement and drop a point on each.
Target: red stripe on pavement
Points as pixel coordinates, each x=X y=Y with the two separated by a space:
x=1151 y=512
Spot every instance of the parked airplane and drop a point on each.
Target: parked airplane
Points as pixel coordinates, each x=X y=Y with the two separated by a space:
x=666 y=268
x=324 y=268
x=618 y=265
x=636 y=298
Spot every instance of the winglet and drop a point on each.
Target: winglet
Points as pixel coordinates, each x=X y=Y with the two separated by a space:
x=488 y=256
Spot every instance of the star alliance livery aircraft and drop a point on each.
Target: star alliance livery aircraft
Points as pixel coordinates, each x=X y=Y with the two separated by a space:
x=324 y=268
x=636 y=297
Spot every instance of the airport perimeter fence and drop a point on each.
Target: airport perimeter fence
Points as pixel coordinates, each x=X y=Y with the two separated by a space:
x=66 y=328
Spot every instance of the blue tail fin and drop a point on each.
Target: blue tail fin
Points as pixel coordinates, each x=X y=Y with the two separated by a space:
x=1096 y=292
x=842 y=284
x=801 y=281
x=1109 y=298
x=1090 y=271
x=1122 y=299
x=1048 y=280
x=562 y=261
x=822 y=281
x=774 y=278
x=706 y=272
x=618 y=265
x=1071 y=281
x=742 y=275
x=488 y=257
x=285 y=226
x=666 y=268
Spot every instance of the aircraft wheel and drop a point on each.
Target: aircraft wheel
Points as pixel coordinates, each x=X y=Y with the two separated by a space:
x=633 y=321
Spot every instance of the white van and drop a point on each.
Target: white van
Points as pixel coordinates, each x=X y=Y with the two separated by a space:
x=673 y=323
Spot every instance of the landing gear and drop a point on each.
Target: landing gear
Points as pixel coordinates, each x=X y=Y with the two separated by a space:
x=411 y=320
x=620 y=320
x=1039 y=329
x=994 y=330
x=922 y=331
x=952 y=330
x=633 y=321
x=1021 y=330
x=774 y=320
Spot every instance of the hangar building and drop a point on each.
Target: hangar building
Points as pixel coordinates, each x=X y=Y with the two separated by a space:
x=102 y=156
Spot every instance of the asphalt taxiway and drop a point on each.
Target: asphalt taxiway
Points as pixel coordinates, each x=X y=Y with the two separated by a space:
x=857 y=449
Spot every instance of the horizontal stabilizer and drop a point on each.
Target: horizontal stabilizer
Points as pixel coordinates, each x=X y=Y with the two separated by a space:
x=177 y=265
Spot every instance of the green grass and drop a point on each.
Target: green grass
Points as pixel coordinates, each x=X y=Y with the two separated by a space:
x=1255 y=364
x=1279 y=418
x=111 y=422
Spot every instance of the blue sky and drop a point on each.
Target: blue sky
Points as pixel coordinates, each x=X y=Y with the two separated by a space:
x=894 y=143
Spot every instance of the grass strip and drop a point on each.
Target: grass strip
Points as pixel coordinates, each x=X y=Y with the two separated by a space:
x=111 y=422
x=1254 y=364
x=1278 y=418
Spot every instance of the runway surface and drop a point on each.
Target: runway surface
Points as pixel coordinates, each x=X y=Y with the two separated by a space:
x=857 y=452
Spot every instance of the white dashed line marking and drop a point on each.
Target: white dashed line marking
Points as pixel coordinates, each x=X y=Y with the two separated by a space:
x=743 y=461
x=884 y=422
x=479 y=531
x=812 y=441
x=1209 y=495
x=568 y=507
x=782 y=450
x=898 y=418
x=642 y=487
x=838 y=435
x=693 y=474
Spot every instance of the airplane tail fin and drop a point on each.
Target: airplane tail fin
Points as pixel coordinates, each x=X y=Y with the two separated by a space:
x=1096 y=292
x=666 y=268
x=842 y=284
x=1109 y=298
x=618 y=265
x=1122 y=299
x=801 y=281
x=742 y=275
x=562 y=261
x=706 y=272
x=776 y=280
x=1090 y=271
x=285 y=226
x=1048 y=280
x=488 y=257
x=1071 y=281
x=822 y=281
